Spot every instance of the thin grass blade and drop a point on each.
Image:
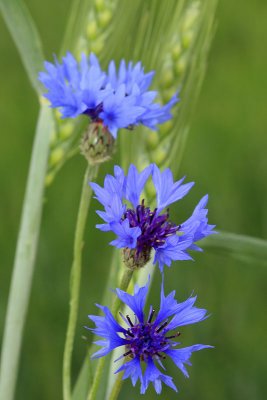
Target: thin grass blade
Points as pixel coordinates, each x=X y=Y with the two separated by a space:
x=250 y=250
x=26 y=38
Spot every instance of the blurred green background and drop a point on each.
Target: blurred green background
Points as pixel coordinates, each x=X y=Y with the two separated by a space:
x=225 y=155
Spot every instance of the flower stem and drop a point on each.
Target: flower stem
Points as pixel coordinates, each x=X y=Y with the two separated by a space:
x=126 y=278
x=75 y=278
x=22 y=275
x=116 y=387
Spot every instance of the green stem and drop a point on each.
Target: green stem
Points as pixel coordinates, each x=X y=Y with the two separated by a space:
x=126 y=278
x=76 y=279
x=116 y=387
x=25 y=257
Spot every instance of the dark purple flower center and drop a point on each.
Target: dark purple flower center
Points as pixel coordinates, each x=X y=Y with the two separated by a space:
x=94 y=112
x=155 y=227
x=148 y=340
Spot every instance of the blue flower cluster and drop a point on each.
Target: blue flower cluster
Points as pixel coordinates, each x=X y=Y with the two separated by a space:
x=116 y=99
x=140 y=229
x=148 y=339
x=122 y=99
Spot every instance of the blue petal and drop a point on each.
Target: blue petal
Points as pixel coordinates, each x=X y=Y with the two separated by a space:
x=187 y=314
x=197 y=224
x=108 y=328
x=182 y=356
x=168 y=305
x=135 y=183
x=127 y=236
x=155 y=376
x=156 y=114
x=173 y=249
x=168 y=191
x=136 y=302
x=133 y=370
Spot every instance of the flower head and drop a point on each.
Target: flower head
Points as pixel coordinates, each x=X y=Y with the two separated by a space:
x=148 y=340
x=139 y=228
x=115 y=99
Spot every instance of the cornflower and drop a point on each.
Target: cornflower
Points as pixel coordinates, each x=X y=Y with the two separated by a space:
x=147 y=341
x=111 y=99
x=139 y=228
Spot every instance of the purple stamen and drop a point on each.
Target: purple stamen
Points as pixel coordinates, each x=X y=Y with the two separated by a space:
x=155 y=228
x=147 y=340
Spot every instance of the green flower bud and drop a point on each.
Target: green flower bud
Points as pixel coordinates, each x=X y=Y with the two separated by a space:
x=134 y=261
x=97 y=144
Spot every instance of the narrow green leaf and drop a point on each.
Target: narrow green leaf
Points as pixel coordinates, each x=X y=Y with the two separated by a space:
x=245 y=248
x=23 y=270
x=26 y=38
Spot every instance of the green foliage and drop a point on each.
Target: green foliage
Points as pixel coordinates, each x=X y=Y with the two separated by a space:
x=25 y=256
x=26 y=38
x=244 y=248
x=234 y=294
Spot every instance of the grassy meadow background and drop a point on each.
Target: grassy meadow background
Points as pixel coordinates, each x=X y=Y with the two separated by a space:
x=225 y=155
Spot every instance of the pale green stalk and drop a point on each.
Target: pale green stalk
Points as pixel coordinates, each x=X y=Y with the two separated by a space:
x=28 y=43
x=116 y=387
x=76 y=269
x=25 y=257
x=84 y=382
x=126 y=278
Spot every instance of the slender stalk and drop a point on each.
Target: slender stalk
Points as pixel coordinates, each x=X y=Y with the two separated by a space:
x=126 y=278
x=125 y=281
x=25 y=257
x=116 y=387
x=83 y=383
x=76 y=279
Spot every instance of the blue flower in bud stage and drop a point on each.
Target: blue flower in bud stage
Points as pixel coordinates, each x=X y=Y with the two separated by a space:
x=140 y=229
x=148 y=340
x=118 y=100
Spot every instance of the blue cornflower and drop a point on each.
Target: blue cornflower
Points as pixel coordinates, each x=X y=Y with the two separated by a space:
x=115 y=99
x=148 y=340
x=140 y=229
